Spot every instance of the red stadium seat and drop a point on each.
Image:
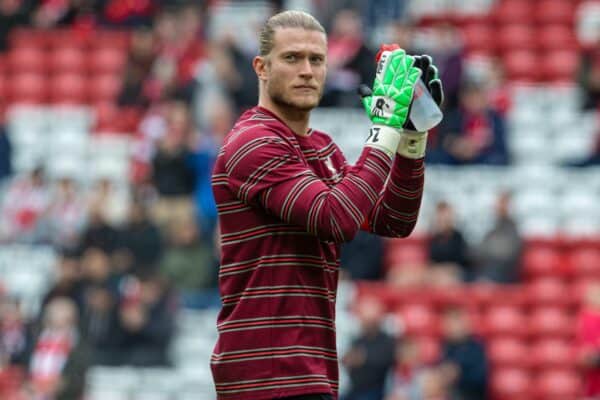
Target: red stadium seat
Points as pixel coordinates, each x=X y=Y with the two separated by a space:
x=429 y=349
x=479 y=38
x=67 y=60
x=513 y=11
x=508 y=351
x=106 y=117
x=585 y=262
x=556 y=37
x=68 y=89
x=69 y=38
x=107 y=61
x=551 y=322
x=504 y=320
x=555 y=12
x=552 y=353
x=511 y=383
x=522 y=66
x=110 y=39
x=419 y=320
x=27 y=59
x=559 y=384
x=104 y=88
x=28 y=37
x=542 y=261
x=560 y=65
x=549 y=291
x=514 y=37
x=406 y=254
x=27 y=88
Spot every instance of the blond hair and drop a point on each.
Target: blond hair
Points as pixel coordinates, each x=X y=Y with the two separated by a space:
x=286 y=19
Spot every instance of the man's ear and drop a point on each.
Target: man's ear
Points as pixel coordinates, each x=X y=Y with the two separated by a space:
x=261 y=67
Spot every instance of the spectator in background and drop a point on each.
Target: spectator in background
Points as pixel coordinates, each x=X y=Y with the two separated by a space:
x=141 y=58
x=371 y=356
x=588 y=340
x=24 y=205
x=188 y=262
x=67 y=214
x=412 y=379
x=349 y=60
x=204 y=153
x=474 y=133
x=98 y=233
x=13 y=13
x=146 y=322
x=447 y=52
x=589 y=77
x=14 y=334
x=448 y=250
x=498 y=256
x=362 y=258
x=6 y=169
x=68 y=281
x=172 y=173
x=141 y=240
x=109 y=202
x=464 y=361
x=60 y=357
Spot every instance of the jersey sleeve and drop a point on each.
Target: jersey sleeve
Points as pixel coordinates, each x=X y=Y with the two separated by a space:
x=265 y=170
x=397 y=209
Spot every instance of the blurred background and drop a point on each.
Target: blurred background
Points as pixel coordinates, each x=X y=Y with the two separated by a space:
x=112 y=113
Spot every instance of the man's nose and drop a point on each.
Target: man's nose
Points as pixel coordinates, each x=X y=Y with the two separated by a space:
x=306 y=69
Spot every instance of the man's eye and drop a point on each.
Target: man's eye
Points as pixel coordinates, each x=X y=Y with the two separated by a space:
x=290 y=58
x=316 y=60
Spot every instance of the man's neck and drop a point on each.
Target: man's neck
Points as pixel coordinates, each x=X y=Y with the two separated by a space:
x=296 y=120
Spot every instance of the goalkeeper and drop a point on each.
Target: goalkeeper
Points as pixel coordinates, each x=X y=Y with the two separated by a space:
x=287 y=199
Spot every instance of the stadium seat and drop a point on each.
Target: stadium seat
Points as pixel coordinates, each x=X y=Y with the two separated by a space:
x=514 y=37
x=505 y=320
x=57 y=39
x=542 y=262
x=68 y=89
x=67 y=60
x=549 y=291
x=558 y=384
x=27 y=59
x=560 y=65
x=508 y=351
x=479 y=38
x=585 y=261
x=28 y=37
x=555 y=12
x=556 y=37
x=106 y=61
x=27 y=88
x=429 y=348
x=513 y=11
x=104 y=88
x=521 y=65
x=552 y=353
x=110 y=39
x=511 y=383
x=419 y=320
x=551 y=322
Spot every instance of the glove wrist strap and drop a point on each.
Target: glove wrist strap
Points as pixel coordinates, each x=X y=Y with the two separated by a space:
x=384 y=138
x=412 y=144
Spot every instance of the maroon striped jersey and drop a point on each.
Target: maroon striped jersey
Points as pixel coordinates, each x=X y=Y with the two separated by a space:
x=286 y=203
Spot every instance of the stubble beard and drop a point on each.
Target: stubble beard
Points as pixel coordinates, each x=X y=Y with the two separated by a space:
x=278 y=97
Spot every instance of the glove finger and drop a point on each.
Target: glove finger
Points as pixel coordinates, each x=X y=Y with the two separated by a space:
x=426 y=62
x=364 y=91
x=432 y=73
x=437 y=91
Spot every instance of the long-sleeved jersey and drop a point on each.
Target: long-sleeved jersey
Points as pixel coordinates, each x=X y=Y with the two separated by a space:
x=285 y=204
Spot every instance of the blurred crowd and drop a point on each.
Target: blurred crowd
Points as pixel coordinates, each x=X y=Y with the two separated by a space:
x=130 y=257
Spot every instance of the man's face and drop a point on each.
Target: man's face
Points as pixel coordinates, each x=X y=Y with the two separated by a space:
x=294 y=72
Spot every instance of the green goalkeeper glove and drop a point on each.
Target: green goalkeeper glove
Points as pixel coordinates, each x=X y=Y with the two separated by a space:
x=387 y=106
